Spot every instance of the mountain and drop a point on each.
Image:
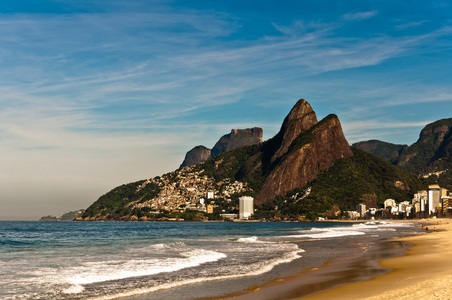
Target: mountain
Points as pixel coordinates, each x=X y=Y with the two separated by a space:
x=302 y=148
x=196 y=155
x=295 y=156
x=387 y=151
x=361 y=178
x=237 y=138
x=432 y=152
x=305 y=157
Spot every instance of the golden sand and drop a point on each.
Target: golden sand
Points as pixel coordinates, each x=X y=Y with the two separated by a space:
x=424 y=273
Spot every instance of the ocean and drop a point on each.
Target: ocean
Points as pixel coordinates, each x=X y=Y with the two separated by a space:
x=170 y=260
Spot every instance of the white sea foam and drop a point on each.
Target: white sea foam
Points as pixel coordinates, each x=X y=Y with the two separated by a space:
x=355 y=229
x=252 y=239
x=112 y=270
x=327 y=234
x=74 y=289
x=158 y=247
x=72 y=279
x=261 y=268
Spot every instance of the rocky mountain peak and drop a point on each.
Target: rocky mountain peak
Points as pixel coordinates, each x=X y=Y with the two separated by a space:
x=255 y=131
x=431 y=152
x=196 y=155
x=237 y=138
x=313 y=150
x=301 y=118
x=435 y=132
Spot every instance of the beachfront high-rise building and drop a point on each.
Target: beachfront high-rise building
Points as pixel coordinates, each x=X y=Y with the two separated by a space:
x=420 y=196
x=447 y=206
x=433 y=198
x=246 y=207
x=361 y=208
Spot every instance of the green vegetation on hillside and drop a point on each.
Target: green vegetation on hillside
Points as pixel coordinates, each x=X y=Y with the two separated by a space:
x=432 y=152
x=229 y=165
x=387 y=151
x=114 y=204
x=363 y=178
x=364 y=174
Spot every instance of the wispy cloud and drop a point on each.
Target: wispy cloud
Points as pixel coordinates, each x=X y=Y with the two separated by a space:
x=302 y=28
x=188 y=76
x=359 y=15
x=411 y=24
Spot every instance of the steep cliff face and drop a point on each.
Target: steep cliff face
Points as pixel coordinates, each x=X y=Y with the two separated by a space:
x=195 y=156
x=300 y=119
x=299 y=162
x=237 y=138
x=432 y=150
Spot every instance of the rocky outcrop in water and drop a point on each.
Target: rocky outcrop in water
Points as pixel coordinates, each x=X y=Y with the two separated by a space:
x=69 y=216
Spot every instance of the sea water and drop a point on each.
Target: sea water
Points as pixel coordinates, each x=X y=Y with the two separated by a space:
x=167 y=260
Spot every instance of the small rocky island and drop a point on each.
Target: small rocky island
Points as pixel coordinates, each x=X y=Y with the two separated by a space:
x=69 y=216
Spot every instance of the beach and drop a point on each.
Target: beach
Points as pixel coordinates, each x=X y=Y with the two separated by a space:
x=422 y=271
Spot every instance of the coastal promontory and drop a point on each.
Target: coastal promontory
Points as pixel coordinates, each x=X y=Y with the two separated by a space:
x=307 y=170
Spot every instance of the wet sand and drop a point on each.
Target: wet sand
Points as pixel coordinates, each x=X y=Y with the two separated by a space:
x=424 y=272
x=363 y=266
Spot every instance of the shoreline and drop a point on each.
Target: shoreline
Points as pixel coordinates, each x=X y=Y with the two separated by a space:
x=423 y=272
x=376 y=274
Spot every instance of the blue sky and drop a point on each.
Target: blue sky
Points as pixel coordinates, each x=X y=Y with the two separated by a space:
x=99 y=93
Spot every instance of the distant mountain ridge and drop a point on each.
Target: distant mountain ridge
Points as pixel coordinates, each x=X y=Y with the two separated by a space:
x=237 y=138
x=432 y=152
x=387 y=151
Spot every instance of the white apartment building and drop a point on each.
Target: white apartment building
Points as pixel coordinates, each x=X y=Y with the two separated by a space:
x=246 y=207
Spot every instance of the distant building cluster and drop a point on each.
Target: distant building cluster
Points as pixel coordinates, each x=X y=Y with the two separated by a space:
x=435 y=201
x=434 y=174
x=187 y=189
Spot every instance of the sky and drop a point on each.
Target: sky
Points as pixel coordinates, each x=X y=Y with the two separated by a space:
x=99 y=93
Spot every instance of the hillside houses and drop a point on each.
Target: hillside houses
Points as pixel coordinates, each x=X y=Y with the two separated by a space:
x=187 y=189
